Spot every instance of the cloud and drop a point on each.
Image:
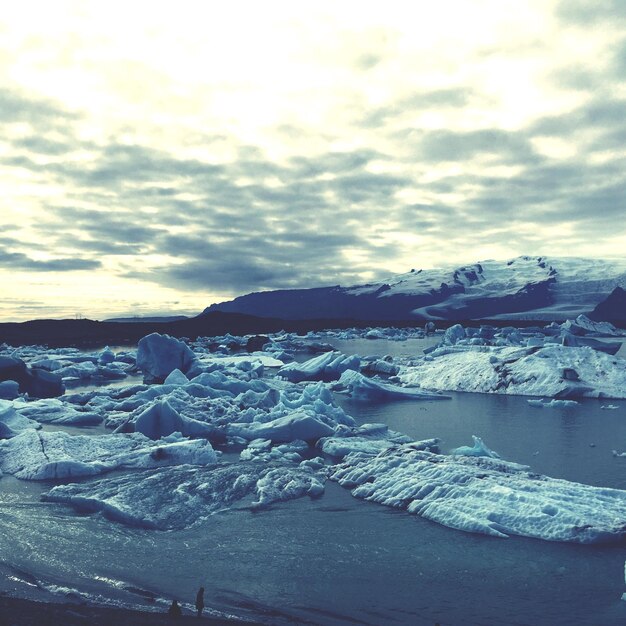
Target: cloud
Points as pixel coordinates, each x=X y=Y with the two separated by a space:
x=590 y=12
x=15 y=106
x=20 y=261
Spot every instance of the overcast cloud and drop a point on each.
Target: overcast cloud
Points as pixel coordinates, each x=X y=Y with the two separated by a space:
x=159 y=157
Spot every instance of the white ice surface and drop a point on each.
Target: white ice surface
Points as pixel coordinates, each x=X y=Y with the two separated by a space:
x=36 y=455
x=327 y=366
x=519 y=371
x=364 y=388
x=159 y=355
x=177 y=497
x=483 y=495
x=11 y=422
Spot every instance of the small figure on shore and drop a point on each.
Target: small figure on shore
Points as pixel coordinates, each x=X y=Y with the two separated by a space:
x=200 y=601
x=174 y=610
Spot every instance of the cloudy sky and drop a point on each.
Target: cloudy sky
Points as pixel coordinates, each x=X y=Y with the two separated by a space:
x=161 y=156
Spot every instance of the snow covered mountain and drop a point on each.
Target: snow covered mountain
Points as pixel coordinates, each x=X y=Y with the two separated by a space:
x=539 y=288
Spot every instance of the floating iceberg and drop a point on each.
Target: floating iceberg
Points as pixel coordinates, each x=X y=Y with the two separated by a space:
x=159 y=355
x=299 y=425
x=552 y=371
x=478 y=449
x=36 y=455
x=370 y=439
x=326 y=367
x=364 y=388
x=177 y=497
x=55 y=411
x=12 y=423
x=484 y=495
x=552 y=404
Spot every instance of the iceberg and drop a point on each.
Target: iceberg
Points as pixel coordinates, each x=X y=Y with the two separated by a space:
x=364 y=388
x=478 y=449
x=485 y=495
x=12 y=423
x=159 y=355
x=326 y=367
x=552 y=404
x=552 y=371
x=161 y=419
x=298 y=425
x=54 y=411
x=36 y=455
x=177 y=497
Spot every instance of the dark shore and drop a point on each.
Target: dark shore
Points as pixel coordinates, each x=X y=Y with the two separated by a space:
x=18 y=612
x=84 y=333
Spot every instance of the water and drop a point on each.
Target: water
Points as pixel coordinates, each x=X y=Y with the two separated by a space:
x=338 y=560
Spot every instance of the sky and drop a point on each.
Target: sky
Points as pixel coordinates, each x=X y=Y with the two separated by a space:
x=157 y=157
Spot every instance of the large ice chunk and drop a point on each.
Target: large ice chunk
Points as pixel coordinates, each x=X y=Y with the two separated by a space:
x=161 y=419
x=552 y=371
x=478 y=449
x=11 y=422
x=36 y=455
x=159 y=355
x=177 y=497
x=484 y=495
x=363 y=388
x=298 y=425
x=326 y=367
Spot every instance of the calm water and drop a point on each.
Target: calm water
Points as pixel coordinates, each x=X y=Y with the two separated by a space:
x=338 y=560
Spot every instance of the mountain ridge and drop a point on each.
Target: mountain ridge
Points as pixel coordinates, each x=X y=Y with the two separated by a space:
x=542 y=288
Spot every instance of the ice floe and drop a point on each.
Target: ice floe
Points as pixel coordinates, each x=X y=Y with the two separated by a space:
x=177 y=497
x=328 y=366
x=364 y=388
x=552 y=404
x=552 y=371
x=478 y=449
x=37 y=455
x=485 y=495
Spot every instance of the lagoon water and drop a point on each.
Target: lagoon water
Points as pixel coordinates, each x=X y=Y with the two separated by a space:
x=338 y=560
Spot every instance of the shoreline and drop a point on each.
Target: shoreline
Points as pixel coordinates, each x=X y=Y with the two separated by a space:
x=20 y=612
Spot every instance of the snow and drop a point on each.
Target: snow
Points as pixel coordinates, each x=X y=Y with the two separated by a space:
x=326 y=367
x=485 y=495
x=36 y=455
x=158 y=355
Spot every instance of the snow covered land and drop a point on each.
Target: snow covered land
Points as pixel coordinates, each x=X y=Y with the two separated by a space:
x=538 y=288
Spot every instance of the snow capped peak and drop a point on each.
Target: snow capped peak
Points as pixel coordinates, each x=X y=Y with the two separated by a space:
x=533 y=287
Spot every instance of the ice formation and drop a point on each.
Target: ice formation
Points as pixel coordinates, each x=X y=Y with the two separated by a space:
x=553 y=371
x=11 y=422
x=552 y=404
x=485 y=495
x=326 y=367
x=36 y=455
x=159 y=355
x=176 y=497
x=478 y=449
x=364 y=388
